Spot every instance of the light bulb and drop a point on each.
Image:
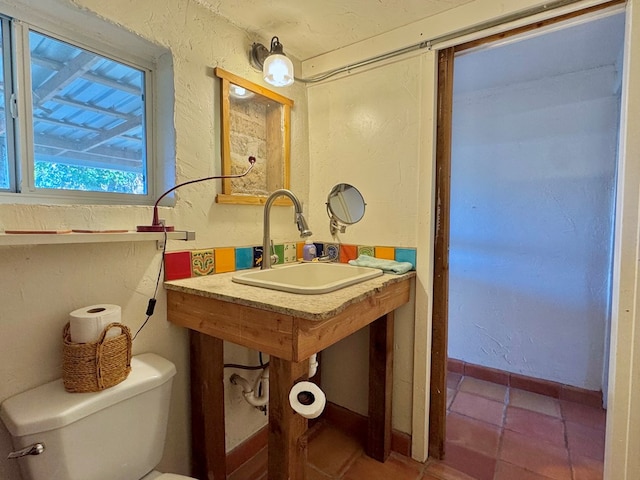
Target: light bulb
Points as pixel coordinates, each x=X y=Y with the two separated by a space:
x=278 y=70
x=239 y=91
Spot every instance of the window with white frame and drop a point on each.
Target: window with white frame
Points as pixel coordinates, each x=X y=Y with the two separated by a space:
x=75 y=119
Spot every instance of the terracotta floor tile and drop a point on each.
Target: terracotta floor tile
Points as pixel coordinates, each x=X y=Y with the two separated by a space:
x=366 y=468
x=474 y=464
x=532 y=447
x=331 y=451
x=534 y=401
x=478 y=407
x=535 y=456
x=542 y=427
x=453 y=380
x=507 y=471
x=483 y=388
x=438 y=470
x=585 y=441
x=579 y=413
x=586 y=468
x=451 y=394
x=473 y=434
x=313 y=474
x=408 y=460
x=253 y=469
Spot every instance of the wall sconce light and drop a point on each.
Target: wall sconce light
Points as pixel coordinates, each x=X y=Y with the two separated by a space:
x=158 y=226
x=277 y=69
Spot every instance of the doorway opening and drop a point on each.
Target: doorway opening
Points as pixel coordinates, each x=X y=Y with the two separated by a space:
x=526 y=165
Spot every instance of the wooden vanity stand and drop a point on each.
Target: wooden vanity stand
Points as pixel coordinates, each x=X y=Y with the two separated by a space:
x=290 y=328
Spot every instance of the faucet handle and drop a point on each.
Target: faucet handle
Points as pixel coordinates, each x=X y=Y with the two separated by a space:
x=274 y=257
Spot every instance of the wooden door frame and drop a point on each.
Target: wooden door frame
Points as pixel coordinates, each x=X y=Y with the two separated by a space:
x=440 y=314
x=439 y=339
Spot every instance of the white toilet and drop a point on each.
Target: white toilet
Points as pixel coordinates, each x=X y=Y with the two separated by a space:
x=116 y=434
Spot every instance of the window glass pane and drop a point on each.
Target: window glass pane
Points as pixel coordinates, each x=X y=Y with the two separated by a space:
x=4 y=160
x=88 y=120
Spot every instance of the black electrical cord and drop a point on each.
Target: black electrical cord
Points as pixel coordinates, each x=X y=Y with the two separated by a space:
x=262 y=365
x=152 y=305
x=246 y=367
x=152 y=301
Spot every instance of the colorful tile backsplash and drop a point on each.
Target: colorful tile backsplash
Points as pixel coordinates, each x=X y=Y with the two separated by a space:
x=279 y=250
x=366 y=250
x=244 y=258
x=388 y=253
x=332 y=250
x=348 y=252
x=225 y=259
x=202 y=262
x=257 y=256
x=290 y=254
x=406 y=255
x=177 y=265
x=208 y=261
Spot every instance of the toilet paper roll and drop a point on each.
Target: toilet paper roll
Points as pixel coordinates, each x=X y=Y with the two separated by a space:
x=307 y=399
x=86 y=323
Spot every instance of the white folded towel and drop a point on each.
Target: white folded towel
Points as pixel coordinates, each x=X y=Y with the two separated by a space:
x=390 y=266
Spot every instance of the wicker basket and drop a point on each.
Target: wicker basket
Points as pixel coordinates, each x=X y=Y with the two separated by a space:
x=91 y=367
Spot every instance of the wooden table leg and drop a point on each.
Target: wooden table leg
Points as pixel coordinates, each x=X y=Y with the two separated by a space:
x=287 y=440
x=380 y=387
x=207 y=407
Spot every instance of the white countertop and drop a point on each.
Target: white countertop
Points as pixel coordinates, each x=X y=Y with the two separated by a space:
x=312 y=307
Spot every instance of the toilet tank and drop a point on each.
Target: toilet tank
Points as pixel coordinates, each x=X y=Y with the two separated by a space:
x=115 y=434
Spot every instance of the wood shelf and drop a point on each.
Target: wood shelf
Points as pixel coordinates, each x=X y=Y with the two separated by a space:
x=16 y=239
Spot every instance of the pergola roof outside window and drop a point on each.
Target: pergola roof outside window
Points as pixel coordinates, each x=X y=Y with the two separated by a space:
x=88 y=110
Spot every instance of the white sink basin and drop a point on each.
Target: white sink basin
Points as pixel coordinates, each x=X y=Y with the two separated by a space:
x=308 y=278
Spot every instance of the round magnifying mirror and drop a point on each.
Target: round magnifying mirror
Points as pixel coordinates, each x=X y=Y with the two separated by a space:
x=346 y=204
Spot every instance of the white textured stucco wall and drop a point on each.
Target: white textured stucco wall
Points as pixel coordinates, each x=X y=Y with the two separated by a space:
x=40 y=285
x=365 y=130
x=532 y=188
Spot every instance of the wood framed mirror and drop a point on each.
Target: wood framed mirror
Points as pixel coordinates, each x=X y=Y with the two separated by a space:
x=254 y=121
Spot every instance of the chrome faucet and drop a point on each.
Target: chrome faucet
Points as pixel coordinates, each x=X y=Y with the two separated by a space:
x=267 y=257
